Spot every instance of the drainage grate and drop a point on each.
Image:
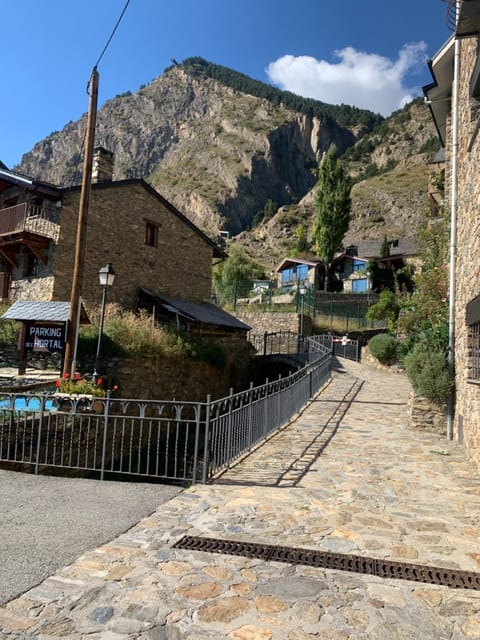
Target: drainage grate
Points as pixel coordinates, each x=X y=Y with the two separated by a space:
x=338 y=561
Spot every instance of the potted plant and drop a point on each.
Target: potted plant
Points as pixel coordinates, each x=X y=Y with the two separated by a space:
x=78 y=391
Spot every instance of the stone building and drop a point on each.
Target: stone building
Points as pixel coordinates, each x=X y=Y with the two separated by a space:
x=457 y=64
x=151 y=245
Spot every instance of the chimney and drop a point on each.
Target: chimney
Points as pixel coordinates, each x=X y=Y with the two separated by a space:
x=102 y=170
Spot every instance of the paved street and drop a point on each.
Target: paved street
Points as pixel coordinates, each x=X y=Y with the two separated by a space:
x=47 y=522
x=347 y=476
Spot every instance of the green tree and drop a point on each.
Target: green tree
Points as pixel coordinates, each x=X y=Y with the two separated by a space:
x=302 y=244
x=385 y=248
x=388 y=307
x=332 y=206
x=234 y=276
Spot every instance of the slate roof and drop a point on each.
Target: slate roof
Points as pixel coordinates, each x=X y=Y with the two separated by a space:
x=372 y=248
x=55 y=311
x=203 y=312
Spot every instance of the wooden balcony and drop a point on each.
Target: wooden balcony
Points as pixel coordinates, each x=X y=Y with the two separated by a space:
x=27 y=218
x=27 y=225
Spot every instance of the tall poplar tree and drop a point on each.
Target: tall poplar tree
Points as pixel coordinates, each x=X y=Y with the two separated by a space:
x=332 y=206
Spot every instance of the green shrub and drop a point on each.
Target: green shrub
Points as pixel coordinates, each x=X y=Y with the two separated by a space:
x=383 y=347
x=9 y=329
x=427 y=370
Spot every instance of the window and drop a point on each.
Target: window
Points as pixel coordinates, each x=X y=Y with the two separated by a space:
x=151 y=234
x=358 y=265
x=472 y=318
x=474 y=335
x=360 y=285
x=31 y=266
x=302 y=272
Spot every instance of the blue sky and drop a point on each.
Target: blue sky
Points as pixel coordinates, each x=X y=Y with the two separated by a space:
x=368 y=53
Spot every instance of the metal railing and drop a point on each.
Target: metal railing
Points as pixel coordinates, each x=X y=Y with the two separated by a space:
x=290 y=342
x=29 y=218
x=341 y=346
x=274 y=342
x=183 y=442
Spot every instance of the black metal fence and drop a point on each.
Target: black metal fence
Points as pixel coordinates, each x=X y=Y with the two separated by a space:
x=174 y=441
x=289 y=342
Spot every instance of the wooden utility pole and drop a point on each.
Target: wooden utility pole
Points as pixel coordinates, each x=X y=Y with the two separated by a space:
x=69 y=364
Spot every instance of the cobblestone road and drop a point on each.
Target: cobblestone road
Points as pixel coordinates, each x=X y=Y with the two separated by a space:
x=347 y=476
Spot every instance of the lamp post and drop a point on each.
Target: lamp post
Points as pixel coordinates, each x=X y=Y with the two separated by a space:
x=302 y=291
x=106 y=276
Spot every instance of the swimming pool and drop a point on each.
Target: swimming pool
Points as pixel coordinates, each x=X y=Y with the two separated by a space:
x=25 y=403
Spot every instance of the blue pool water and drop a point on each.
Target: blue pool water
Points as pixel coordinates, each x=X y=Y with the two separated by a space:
x=27 y=404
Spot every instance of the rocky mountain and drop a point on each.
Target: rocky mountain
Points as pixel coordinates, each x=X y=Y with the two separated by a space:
x=225 y=149
x=390 y=168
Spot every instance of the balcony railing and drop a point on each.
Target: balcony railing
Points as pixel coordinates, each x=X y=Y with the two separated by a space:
x=28 y=218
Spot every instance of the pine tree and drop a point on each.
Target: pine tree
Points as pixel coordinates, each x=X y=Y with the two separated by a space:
x=332 y=205
x=385 y=248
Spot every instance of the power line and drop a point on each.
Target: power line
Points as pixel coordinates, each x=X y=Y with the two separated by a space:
x=112 y=34
x=74 y=178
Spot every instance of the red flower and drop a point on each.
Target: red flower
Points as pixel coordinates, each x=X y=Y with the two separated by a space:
x=66 y=376
x=115 y=387
x=58 y=383
x=99 y=382
x=78 y=376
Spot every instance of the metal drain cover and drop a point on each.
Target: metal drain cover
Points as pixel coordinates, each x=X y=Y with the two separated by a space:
x=338 y=561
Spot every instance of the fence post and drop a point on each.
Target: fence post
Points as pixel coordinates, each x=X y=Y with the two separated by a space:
x=265 y=343
x=206 y=443
x=39 y=435
x=106 y=414
x=229 y=426
x=197 y=436
x=250 y=416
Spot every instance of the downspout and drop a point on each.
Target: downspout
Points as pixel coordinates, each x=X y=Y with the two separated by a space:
x=453 y=233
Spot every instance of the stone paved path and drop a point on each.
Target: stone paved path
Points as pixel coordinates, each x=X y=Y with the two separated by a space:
x=347 y=476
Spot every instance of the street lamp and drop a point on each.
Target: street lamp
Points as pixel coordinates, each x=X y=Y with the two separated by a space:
x=106 y=276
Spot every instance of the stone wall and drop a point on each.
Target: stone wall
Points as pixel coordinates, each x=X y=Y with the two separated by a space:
x=272 y=322
x=467 y=261
x=158 y=378
x=32 y=288
x=425 y=415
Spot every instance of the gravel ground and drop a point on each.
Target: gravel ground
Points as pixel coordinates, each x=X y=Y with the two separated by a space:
x=47 y=522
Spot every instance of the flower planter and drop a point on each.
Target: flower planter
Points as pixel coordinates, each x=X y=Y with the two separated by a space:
x=80 y=402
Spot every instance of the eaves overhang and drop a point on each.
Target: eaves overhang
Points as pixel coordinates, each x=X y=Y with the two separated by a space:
x=438 y=94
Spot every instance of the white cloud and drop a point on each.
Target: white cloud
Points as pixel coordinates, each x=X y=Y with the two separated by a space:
x=361 y=79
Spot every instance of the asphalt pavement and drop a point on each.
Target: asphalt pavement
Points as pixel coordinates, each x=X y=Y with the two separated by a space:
x=47 y=522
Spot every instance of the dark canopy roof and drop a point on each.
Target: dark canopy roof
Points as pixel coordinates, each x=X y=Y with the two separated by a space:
x=201 y=312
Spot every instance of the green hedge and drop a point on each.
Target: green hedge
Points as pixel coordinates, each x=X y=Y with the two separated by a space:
x=383 y=347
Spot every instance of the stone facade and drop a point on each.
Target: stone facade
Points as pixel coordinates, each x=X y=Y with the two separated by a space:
x=179 y=265
x=274 y=322
x=149 y=242
x=467 y=241
x=467 y=416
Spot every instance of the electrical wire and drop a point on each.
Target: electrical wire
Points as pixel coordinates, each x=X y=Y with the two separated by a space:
x=112 y=34
x=75 y=175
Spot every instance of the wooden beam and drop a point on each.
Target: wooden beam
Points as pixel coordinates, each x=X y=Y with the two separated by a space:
x=9 y=258
x=37 y=253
